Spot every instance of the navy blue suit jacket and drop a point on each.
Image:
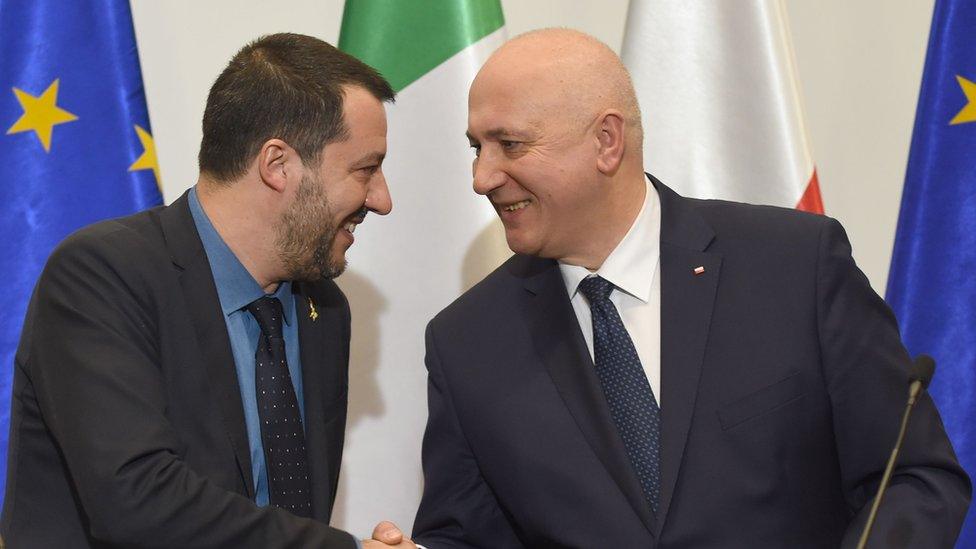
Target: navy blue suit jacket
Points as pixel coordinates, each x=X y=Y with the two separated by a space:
x=783 y=382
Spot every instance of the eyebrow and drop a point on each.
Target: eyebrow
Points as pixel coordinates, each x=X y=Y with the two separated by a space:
x=495 y=133
x=370 y=158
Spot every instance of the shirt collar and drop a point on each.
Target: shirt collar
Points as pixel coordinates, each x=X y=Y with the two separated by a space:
x=236 y=288
x=631 y=265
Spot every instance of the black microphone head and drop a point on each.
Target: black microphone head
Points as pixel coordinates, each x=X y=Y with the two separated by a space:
x=923 y=370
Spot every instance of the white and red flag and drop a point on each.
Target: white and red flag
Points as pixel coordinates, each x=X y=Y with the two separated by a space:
x=720 y=99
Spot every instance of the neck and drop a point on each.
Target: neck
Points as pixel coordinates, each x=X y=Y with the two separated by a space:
x=240 y=221
x=624 y=206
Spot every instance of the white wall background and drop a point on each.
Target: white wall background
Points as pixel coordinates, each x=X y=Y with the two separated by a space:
x=860 y=65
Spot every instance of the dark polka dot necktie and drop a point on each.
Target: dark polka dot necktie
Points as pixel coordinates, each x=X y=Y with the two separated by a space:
x=281 y=423
x=632 y=404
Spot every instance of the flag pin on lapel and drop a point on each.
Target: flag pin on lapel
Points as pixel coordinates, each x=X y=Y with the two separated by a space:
x=699 y=270
x=312 y=313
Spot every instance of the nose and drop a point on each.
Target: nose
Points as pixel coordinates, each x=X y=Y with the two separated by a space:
x=486 y=173
x=378 y=198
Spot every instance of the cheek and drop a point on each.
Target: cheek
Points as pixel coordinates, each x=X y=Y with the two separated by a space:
x=553 y=177
x=569 y=213
x=347 y=199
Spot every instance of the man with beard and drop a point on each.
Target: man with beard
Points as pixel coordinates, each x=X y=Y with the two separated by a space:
x=650 y=370
x=181 y=376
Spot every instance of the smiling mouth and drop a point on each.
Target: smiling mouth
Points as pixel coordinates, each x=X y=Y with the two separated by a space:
x=516 y=206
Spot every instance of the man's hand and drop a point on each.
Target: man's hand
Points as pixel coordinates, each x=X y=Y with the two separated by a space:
x=386 y=534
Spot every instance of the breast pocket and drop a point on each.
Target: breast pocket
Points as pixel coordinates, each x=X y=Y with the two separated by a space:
x=763 y=401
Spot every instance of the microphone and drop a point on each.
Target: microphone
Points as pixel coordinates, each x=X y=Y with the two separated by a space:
x=921 y=375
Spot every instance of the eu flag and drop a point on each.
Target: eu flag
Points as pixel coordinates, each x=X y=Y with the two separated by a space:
x=75 y=143
x=932 y=285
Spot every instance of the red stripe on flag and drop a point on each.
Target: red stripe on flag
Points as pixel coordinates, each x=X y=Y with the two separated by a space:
x=811 y=201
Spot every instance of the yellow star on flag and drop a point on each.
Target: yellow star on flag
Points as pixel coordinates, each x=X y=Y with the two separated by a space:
x=968 y=113
x=41 y=114
x=148 y=159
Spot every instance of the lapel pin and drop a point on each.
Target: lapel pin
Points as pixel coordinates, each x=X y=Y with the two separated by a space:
x=312 y=313
x=699 y=270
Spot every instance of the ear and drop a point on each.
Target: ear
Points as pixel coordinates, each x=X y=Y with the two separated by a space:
x=610 y=139
x=277 y=164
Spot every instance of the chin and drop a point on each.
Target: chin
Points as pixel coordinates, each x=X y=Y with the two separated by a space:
x=523 y=245
x=337 y=266
x=336 y=269
x=319 y=267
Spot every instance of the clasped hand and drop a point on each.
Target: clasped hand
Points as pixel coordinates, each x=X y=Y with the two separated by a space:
x=386 y=534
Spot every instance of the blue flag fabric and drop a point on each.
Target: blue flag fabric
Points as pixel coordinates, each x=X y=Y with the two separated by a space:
x=932 y=284
x=75 y=143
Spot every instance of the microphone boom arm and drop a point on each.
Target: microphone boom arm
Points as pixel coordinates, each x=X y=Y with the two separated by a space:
x=922 y=372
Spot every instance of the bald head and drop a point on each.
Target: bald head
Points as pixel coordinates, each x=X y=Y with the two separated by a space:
x=555 y=126
x=565 y=74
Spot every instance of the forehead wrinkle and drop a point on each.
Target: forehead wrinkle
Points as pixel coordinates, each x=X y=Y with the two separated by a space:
x=543 y=98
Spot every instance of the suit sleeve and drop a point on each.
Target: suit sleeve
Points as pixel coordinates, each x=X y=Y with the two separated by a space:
x=866 y=371
x=458 y=508
x=94 y=362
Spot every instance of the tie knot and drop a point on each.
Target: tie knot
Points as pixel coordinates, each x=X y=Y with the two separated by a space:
x=596 y=288
x=267 y=311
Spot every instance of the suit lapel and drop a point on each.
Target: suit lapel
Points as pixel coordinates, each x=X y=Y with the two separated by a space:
x=320 y=344
x=560 y=346
x=200 y=295
x=687 y=300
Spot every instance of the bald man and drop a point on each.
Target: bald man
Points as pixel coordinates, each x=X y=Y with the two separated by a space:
x=653 y=371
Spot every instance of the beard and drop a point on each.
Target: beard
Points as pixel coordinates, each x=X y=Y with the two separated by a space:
x=306 y=232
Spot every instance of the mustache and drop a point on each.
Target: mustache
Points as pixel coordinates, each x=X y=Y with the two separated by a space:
x=360 y=214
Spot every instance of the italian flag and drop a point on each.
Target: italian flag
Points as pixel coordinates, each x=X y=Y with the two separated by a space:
x=721 y=105
x=440 y=239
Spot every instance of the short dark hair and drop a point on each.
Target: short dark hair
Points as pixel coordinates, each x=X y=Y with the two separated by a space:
x=285 y=86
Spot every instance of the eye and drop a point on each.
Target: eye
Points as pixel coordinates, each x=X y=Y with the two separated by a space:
x=476 y=148
x=370 y=170
x=510 y=146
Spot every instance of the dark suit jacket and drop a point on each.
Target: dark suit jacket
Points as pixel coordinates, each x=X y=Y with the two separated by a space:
x=127 y=427
x=783 y=381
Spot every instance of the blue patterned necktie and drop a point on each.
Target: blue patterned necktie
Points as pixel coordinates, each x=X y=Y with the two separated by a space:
x=282 y=435
x=632 y=404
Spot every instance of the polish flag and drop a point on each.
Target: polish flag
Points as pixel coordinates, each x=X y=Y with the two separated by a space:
x=720 y=99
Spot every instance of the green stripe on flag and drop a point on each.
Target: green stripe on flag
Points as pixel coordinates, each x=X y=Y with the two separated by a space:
x=405 y=39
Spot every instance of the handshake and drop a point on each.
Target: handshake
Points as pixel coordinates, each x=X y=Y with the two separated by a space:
x=386 y=534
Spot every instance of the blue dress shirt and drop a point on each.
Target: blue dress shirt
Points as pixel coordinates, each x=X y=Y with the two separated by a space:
x=236 y=288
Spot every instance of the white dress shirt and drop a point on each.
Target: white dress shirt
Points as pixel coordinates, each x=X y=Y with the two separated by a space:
x=634 y=268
